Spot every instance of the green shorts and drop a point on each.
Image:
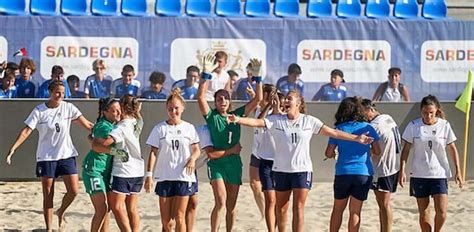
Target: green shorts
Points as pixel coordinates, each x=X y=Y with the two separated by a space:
x=96 y=183
x=228 y=168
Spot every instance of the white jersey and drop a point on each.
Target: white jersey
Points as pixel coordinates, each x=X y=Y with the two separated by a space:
x=429 y=142
x=257 y=134
x=388 y=162
x=126 y=137
x=392 y=95
x=217 y=82
x=205 y=140
x=53 y=125
x=174 y=150
x=292 y=139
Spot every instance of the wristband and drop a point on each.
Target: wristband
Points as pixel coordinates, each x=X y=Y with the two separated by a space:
x=206 y=76
x=149 y=174
x=257 y=79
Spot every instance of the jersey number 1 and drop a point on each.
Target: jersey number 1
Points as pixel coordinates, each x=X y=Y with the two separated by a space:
x=230 y=137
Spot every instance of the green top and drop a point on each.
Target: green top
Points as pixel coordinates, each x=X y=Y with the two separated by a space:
x=223 y=134
x=96 y=163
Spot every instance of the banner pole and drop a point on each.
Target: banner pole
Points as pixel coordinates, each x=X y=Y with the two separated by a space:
x=466 y=140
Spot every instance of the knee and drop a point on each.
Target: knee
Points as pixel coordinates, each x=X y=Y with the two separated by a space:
x=116 y=207
x=255 y=185
x=73 y=192
x=220 y=203
x=441 y=212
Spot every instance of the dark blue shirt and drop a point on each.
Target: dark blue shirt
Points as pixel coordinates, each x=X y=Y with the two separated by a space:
x=43 y=91
x=25 y=89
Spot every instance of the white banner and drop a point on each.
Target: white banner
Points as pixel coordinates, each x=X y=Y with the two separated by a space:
x=188 y=51
x=447 y=60
x=76 y=54
x=3 y=49
x=359 y=60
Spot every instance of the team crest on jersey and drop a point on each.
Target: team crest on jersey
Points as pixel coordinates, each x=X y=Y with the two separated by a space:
x=179 y=132
x=433 y=132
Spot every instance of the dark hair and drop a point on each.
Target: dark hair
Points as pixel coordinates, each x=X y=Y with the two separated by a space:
x=232 y=73
x=228 y=94
x=394 y=70
x=130 y=105
x=72 y=79
x=350 y=109
x=337 y=72
x=294 y=69
x=367 y=104
x=221 y=54
x=26 y=62
x=302 y=108
x=128 y=68
x=157 y=78
x=431 y=100
x=57 y=70
x=54 y=84
x=104 y=105
x=12 y=66
x=8 y=75
x=192 y=68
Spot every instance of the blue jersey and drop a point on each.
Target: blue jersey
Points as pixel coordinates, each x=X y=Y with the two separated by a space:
x=241 y=91
x=78 y=94
x=284 y=86
x=119 y=89
x=8 y=93
x=354 y=158
x=43 y=91
x=328 y=93
x=25 y=89
x=188 y=93
x=151 y=94
x=97 y=89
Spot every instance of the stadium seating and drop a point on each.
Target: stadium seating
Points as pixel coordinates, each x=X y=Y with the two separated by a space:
x=134 y=7
x=319 y=8
x=74 y=7
x=406 y=9
x=377 y=9
x=104 y=7
x=257 y=8
x=12 y=7
x=43 y=7
x=348 y=8
x=286 y=8
x=170 y=8
x=228 y=8
x=434 y=9
x=198 y=8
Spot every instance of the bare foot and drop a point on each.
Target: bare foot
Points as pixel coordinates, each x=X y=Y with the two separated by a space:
x=61 y=220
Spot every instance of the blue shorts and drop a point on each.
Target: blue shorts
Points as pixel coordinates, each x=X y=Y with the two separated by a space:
x=175 y=188
x=56 y=168
x=424 y=187
x=386 y=184
x=127 y=186
x=254 y=161
x=285 y=181
x=266 y=175
x=357 y=186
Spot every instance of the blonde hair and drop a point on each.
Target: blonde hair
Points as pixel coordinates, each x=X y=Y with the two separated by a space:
x=302 y=108
x=175 y=94
x=97 y=63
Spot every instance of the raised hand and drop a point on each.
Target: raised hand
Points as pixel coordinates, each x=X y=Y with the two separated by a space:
x=255 y=67
x=208 y=63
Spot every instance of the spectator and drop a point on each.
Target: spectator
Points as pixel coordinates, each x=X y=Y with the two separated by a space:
x=25 y=86
x=7 y=67
x=392 y=90
x=220 y=78
x=189 y=85
x=240 y=92
x=57 y=74
x=8 y=88
x=126 y=84
x=233 y=80
x=332 y=91
x=291 y=81
x=74 y=84
x=156 y=91
x=98 y=84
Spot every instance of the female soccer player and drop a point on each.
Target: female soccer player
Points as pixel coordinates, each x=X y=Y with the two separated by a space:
x=429 y=136
x=353 y=167
x=292 y=164
x=97 y=167
x=225 y=172
x=175 y=149
x=387 y=165
x=55 y=155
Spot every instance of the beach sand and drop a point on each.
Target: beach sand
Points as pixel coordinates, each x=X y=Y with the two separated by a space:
x=21 y=209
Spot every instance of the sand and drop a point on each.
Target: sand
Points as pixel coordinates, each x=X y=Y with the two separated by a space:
x=21 y=209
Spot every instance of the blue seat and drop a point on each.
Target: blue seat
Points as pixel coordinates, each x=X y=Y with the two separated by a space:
x=43 y=7
x=134 y=8
x=228 y=8
x=319 y=8
x=405 y=9
x=12 y=7
x=104 y=7
x=286 y=8
x=74 y=7
x=257 y=8
x=168 y=8
x=198 y=8
x=377 y=9
x=434 y=9
x=348 y=8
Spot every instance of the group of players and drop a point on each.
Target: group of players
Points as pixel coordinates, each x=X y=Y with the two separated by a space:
x=365 y=142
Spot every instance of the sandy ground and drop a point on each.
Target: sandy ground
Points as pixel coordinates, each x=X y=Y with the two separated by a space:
x=21 y=209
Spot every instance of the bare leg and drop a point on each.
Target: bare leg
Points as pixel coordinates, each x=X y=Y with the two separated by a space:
x=385 y=210
x=48 y=195
x=256 y=187
x=424 y=211
x=336 y=215
x=232 y=194
x=282 y=205
x=72 y=189
x=299 y=200
x=220 y=197
x=270 y=200
x=441 y=208
x=166 y=212
x=355 y=208
x=191 y=213
x=117 y=204
x=131 y=202
x=179 y=212
x=99 y=201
